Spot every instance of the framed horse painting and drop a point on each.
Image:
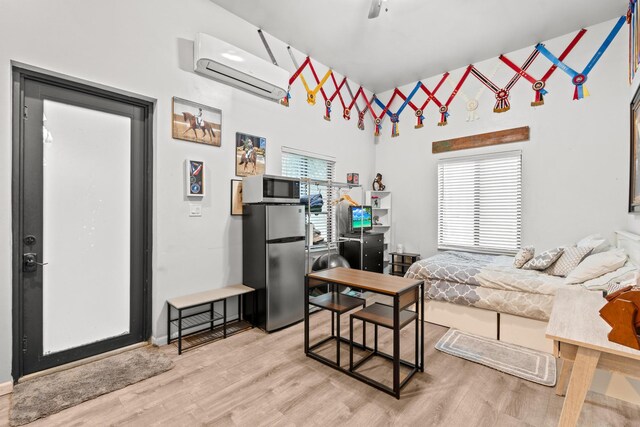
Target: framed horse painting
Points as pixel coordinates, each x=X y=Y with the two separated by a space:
x=195 y=122
x=251 y=154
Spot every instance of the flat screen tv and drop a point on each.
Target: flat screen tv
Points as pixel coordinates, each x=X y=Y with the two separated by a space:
x=360 y=218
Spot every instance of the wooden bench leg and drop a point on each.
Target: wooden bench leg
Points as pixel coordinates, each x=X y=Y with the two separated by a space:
x=581 y=376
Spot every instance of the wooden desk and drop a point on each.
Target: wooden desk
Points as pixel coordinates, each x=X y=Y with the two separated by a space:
x=580 y=340
x=405 y=292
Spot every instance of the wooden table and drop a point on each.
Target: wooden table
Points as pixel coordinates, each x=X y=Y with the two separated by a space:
x=405 y=292
x=580 y=340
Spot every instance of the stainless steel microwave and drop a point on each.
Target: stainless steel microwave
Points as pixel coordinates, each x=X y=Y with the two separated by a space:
x=270 y=189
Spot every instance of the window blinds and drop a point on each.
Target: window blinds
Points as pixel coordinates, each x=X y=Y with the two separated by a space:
x=299 y=165
x=479 y=203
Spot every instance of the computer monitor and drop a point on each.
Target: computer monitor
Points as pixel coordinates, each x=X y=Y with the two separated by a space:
x=360 y=218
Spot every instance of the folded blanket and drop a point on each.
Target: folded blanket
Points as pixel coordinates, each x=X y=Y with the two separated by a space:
x=314 y=201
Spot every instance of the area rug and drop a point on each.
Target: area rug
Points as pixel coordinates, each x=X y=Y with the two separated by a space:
x=46 y=395
x=521 y=362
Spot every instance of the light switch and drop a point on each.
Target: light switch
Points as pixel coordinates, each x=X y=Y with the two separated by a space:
x=195 y=210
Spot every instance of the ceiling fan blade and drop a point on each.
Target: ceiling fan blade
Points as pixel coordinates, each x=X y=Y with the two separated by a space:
x=374 y=10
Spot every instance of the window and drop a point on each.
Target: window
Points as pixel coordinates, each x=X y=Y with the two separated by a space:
x=300 y=164
x=479 y=203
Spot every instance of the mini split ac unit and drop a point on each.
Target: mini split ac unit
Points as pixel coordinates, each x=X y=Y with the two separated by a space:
x=228 y=64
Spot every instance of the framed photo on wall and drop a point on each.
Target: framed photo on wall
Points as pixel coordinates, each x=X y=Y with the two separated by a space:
x=634 y=178
x=195 y=178
x=251 y=154
x=195 y=122
x=236 y=197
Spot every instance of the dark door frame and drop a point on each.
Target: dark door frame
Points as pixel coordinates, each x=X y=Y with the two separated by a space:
x=20 y=72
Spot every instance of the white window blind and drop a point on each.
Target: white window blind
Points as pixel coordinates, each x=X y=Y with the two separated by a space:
x=479 y=203
x=298 y=165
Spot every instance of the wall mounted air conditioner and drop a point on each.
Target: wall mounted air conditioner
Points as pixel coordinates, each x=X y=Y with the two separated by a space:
x=226 y=63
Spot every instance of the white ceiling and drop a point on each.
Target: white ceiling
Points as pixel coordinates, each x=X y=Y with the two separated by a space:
x=416 y=39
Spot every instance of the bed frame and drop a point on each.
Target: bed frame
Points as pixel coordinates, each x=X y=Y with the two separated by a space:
x=531 y=333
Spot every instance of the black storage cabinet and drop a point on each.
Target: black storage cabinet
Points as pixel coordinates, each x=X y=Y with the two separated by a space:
x=373 y=252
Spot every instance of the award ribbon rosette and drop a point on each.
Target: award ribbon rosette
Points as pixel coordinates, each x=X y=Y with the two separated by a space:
x=444 y=108
x=419 y=111
x=327 y=103
x=377 y=119
x=579 y=79
x=502 y=94
x=395 y=117
x=539 y=85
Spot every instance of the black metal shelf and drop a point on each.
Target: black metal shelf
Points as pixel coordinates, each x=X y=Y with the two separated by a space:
x=197 y=319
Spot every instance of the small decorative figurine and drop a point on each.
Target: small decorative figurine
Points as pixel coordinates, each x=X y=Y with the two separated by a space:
x=378 y=183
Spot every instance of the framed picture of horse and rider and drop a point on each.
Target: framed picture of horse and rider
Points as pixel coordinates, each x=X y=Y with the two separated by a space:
x=251 y=154
x=196 y=122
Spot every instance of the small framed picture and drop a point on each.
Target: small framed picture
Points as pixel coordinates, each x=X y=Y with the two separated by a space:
x=236 y=197
x=195 y=178
x=195 y=122
x=353 y=178
x=251 y=154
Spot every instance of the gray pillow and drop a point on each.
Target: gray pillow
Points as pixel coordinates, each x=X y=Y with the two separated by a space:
x=523 y=256
x=569 y=260
x=544 y=260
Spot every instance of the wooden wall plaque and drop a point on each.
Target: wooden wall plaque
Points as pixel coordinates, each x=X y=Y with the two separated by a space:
x=481 y=140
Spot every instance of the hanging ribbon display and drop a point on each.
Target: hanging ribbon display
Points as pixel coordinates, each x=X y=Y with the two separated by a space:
x=328 y=102
x=395 y=117
x=311 y=93
x=294 y=76
x=444 y=108
x=419 y=111
x=539 y=85
x=502 y=94
x=473 y=103
x=377 y=120
x=346 y=112
x=579 y=79
x=634 y=48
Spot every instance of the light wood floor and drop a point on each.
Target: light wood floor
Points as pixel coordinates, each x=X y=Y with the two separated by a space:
x=258 y=379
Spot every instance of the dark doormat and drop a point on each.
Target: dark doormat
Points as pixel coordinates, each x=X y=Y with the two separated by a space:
x=49 y=394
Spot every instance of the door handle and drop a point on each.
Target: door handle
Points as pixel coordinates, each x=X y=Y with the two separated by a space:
x=30 y=262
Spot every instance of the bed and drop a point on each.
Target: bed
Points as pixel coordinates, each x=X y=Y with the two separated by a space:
x=488 y=282
x=486 y=295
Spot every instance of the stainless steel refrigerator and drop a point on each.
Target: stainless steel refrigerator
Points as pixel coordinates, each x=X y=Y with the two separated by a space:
x=273 y=250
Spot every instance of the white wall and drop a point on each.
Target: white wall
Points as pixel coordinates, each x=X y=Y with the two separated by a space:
x=146 y=47
x=575 y=167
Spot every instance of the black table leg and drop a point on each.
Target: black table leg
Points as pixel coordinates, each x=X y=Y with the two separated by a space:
x=422 y=327
x=396 y=346
x=338 y=339
x=350 y=343
x=306 y=314
x=179 y=331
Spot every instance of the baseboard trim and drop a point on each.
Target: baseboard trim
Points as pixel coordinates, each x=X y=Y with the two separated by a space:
x=83 y=361
x=6 y=388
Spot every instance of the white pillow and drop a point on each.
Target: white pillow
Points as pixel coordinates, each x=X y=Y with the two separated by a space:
x=595 y=241
x=602 y=283
x=597 y=265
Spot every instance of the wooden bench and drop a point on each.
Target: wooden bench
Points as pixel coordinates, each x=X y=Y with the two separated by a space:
x=196 y=318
